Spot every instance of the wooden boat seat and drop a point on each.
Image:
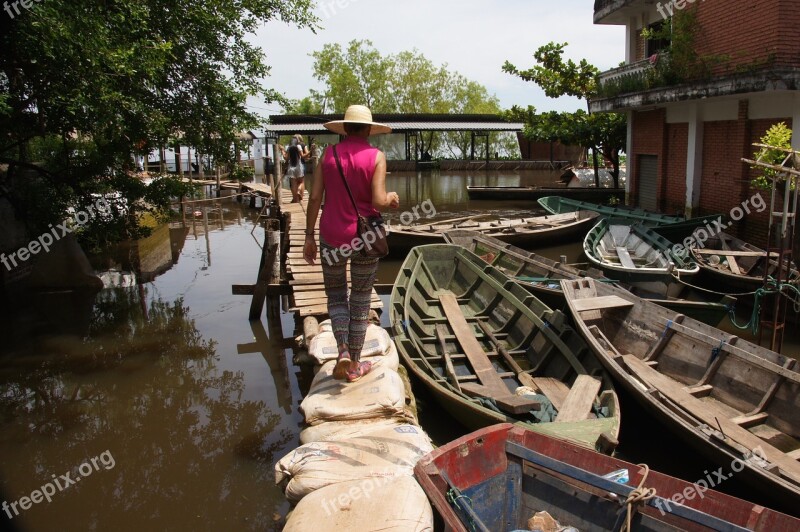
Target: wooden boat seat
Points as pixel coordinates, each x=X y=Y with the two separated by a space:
x=625 y=257
x=601 y=302
x=712 y=416
x=555 y=390
x=491 y=384
x=579 y=402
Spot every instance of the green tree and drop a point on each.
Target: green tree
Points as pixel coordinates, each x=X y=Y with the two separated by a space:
x=125 y=77
x=406 y=82
x=603 y=133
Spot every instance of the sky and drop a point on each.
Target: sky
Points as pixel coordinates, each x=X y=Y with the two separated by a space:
x=473 y=37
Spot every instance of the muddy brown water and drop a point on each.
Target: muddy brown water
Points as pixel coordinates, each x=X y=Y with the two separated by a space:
x=184 y=404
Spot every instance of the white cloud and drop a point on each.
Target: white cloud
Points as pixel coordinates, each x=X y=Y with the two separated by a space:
x=473 y=37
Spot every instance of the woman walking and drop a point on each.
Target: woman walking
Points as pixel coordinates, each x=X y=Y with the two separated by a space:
x=364 y=169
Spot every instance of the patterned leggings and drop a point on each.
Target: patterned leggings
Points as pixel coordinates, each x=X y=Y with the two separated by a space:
x=348 y=319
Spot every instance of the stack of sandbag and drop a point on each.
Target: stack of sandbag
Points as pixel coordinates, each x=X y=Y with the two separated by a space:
x=354 y=468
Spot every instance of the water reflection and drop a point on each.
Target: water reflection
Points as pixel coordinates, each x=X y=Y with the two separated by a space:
x=145 y=386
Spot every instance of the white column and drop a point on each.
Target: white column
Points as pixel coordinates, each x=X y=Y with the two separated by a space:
x=630 y=39
x=694 y=160
x=628 y=155
x=796 y=123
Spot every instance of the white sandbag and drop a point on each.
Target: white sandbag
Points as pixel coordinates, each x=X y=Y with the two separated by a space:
x=344 y=430
x=324 y=348
x=370 y=504
x=385 y=453
x=380 y=393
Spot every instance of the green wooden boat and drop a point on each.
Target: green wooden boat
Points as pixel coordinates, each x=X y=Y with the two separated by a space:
x=542 y=276
x=635 y=255
x=490 y=352
x=673 y=228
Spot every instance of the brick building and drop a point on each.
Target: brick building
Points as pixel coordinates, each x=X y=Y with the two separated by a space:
x=686 y=138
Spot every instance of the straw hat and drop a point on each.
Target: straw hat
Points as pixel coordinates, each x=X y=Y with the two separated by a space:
x=358 y=114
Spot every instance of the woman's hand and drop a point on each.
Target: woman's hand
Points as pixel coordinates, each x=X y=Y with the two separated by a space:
x=394 y=200
x=310 y=250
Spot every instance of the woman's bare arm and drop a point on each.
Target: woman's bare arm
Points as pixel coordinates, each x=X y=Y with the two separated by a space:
x=314 y=204
x=380 y=198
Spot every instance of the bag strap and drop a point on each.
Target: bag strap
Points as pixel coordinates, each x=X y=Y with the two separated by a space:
x=341 y=173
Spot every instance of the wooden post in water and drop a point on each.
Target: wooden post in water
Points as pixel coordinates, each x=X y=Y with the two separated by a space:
x=219 y=177
x=267 y=272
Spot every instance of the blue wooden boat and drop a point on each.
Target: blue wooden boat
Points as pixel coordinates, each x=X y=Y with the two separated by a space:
x=499 y=477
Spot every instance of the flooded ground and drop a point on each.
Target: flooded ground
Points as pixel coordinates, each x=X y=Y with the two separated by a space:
x=165 y=408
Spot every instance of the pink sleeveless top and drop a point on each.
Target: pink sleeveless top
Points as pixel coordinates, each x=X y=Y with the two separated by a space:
x=339 y=221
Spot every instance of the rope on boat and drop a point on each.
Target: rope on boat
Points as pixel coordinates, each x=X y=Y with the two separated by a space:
x=772 y=288
x=638 y=496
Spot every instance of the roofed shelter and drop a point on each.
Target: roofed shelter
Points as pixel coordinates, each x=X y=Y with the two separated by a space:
x=408 y=124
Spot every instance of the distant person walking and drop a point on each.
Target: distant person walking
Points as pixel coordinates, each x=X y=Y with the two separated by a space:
x=294 y=156
x=364 y=169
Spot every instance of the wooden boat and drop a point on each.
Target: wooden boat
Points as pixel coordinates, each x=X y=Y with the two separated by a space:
x=473 y=337
x=633 y=254
x=673 y=228
x=738 y=266
x=498 y=477
x=534 y=193
x=731 y=399
x=524 y=231
x=542 y=276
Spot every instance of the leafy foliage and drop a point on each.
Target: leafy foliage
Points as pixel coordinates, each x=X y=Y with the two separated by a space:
x=406 y=82
x=126 y=76
x=780 y=136
x=604 y=132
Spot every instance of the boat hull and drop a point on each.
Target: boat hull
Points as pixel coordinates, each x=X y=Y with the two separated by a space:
x=738 y=378
x=484 y=294
x=566 y=228
x=502 y=475
x=534 y=193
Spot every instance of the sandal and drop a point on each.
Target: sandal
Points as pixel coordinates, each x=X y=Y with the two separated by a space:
x=362 y=369
x=342 y=365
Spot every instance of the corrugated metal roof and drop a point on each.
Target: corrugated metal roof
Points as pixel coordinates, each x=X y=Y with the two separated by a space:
x=401 y=127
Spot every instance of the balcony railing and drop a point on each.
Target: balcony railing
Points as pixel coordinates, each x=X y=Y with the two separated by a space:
x=624 y=70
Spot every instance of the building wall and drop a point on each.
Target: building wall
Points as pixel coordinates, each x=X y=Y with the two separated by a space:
x=767 y=35
x=675 y=176
x=725 y=179
x=648 y=139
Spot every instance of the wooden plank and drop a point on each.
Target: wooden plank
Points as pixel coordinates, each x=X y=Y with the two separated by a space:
x=465 y=335
x=602 y=302
x=732 y=253
x=731 y=261
x=750 y=420
x=713 y=416
x=625 y=258
x=794 y=454
x=441 y=333
x=513 y=404
x=491 y=383
x=578 y=404
x=553 y=389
